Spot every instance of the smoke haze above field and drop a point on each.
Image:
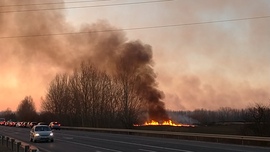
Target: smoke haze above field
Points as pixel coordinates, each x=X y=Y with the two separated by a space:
x=108 y=51
x=199 y=66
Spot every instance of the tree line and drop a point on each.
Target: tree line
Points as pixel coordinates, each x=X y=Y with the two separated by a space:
x=255 y=119
x=93 y=98
x=88 y=97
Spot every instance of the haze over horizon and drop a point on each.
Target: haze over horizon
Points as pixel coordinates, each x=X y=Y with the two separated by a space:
x=221 y=63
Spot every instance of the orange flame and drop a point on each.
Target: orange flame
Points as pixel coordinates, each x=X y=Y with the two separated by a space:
x=164 y=123
x=167 y=123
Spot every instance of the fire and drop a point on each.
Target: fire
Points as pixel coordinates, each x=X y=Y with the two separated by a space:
x=164 y=123
x=167 y=123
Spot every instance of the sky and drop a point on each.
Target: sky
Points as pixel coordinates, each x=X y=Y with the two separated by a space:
x=207 y=53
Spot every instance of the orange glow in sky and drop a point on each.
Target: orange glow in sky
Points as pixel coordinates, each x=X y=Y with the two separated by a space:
x=219 y=64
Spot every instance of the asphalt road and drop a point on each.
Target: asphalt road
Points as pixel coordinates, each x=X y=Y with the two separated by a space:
x=81 y=141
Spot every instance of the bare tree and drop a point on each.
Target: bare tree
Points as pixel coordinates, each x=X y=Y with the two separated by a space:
x=109 y=102
x=205 y=117
x=131 y=103
x=57 y=98
x=259 y=118
x=90 y=97
x=26 y=110
x=227 y=114
x=8 y=115
x=76 y=97
x=98 y=97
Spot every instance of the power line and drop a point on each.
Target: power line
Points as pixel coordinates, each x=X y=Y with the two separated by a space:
x=136 y=28
x=52 y=3
x=86 y=6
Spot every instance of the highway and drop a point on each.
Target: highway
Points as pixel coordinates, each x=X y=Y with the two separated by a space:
x=82 y=141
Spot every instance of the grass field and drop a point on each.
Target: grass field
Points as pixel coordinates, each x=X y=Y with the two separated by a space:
x=237 y=129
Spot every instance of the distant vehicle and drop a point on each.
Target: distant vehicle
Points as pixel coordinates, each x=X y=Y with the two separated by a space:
x=19 y=124
x=43 y=123
x=10 y=123
x=24 y=124
x=32 y=124
x=55 y=125
x=41 y=133
x=28 y=124
x=2 y=121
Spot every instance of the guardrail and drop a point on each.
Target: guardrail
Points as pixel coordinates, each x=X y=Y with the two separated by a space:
x=17 y=146
x=235 y=139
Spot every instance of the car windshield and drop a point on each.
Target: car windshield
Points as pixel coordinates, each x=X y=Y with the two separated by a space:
x=42 y=128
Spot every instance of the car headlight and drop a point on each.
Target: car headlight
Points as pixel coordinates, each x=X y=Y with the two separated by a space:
x=51 y=134
x=36 y=134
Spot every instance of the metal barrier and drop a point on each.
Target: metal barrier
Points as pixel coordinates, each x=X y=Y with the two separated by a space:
x=17 y=146
x=242 y=140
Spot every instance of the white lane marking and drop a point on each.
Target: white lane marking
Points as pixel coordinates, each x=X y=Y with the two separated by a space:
x=123 y=142
x=43 y=150
x=90 y=146
x=147 y=150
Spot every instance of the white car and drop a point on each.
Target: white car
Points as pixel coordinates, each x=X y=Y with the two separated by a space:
x=41 y=133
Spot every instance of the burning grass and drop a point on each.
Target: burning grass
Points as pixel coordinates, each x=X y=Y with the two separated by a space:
x=164 y=123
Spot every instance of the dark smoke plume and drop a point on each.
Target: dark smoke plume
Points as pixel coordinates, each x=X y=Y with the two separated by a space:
x=136 y=58
x=47 y=55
